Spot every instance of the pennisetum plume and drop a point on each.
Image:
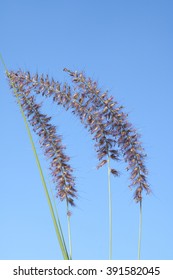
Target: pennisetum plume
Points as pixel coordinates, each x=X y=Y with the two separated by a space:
x=119 y=129
x=50 y=142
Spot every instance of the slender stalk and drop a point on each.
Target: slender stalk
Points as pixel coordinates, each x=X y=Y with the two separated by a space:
x=110 y=209
x=69 y=231
x=140 y=231
x=63 y=248
x=57 y=218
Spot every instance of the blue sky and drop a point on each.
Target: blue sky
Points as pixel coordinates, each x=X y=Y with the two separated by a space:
x=127 y=46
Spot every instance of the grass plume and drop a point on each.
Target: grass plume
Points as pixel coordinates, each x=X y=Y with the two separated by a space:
x=50 y=142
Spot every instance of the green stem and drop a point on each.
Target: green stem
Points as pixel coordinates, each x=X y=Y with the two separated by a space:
x=63 y=248
x=140 y=231
x=69 y=231
x=58 y=220
x=110 y=209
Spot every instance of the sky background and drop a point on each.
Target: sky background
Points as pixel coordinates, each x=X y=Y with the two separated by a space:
x=127 y=46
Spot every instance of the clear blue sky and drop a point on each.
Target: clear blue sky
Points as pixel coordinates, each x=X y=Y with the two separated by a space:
x=128 y=47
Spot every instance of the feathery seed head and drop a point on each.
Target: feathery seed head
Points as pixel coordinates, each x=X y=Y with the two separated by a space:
x=119 y=130
x=49 y=140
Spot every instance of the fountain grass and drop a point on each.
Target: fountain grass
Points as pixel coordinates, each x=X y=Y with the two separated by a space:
x=102 y=116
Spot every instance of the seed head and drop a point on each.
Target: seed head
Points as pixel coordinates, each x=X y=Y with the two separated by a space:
x=50 y=142
x=114 y=129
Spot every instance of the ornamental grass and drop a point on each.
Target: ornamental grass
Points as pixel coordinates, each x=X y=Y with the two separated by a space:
x=114 y=138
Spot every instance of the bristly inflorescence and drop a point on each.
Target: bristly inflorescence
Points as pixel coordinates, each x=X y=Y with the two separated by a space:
x=118 y=128
x=49 y=140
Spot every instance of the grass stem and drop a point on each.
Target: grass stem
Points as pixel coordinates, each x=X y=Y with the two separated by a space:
x=140 y=231
x=69 y=231
x=57 y=218
x=110 y=209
